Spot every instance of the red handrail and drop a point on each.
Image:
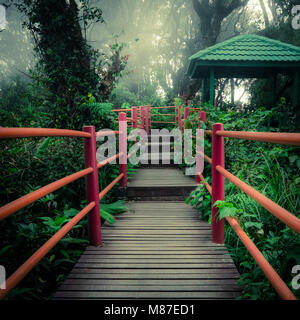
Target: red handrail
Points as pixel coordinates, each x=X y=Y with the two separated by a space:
x=109 y=187
x=285 y=216
x=163 y=107
x=163 y=122
x=22 y=202
x=9 y=133
x=162 y=114
x=106 y=133
x=121 y=110
x=92 y=186
x=273 y=137
x=109 y=160
x=30 y=263
x=278 y=284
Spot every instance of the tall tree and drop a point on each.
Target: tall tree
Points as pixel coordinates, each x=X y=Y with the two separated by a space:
x=211 y=15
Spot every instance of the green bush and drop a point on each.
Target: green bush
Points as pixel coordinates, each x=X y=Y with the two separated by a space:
x=272 y=170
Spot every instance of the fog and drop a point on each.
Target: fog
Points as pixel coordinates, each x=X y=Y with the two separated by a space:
x=159 y=36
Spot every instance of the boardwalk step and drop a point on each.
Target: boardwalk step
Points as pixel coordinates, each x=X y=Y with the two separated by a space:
x=156 y=250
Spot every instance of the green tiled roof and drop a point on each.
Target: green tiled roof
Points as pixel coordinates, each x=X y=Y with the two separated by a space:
x=249 y=47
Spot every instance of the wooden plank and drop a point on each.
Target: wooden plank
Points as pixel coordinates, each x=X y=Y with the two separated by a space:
x=180 y=245
x=151 y=260
x=152 y=282
x=198 y=265
x=123 y=225
x=157 y=249
x=86 y=295
x=156 y=232
x=142 y=254
x=164 y=273
x=149 y=288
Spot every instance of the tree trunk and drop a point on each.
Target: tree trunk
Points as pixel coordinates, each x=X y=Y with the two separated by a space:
x=211 y=15
x=265 y=14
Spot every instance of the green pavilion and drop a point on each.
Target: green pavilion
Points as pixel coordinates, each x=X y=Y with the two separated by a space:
x=246 y=56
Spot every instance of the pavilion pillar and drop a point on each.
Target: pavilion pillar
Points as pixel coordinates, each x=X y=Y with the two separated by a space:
x=232 y=90
x=204 y=90
x=211 y=86
x=296 y=88
x=274 y=90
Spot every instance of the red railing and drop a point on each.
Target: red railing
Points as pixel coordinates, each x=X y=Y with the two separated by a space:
x=219 y=173
x=92 y=189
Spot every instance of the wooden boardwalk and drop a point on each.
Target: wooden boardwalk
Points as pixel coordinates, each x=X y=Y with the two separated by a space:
x=156 y=250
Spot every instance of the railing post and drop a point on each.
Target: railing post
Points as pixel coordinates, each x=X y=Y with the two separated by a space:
x=197 y=178
x=147 y=119
x=218 y=181
x=92 y=187
x=142 y=113
x=134 y=117
x=199 y=119
x=123 y=148
x=179 y=118
x=186 y=113
x=149 y=114
x=202 y=115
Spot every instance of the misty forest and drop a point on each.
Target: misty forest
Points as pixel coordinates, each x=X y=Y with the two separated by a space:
x=65 y=64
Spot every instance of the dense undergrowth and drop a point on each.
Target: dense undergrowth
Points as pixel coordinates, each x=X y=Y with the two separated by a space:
x=271 y=169
x=30 y=163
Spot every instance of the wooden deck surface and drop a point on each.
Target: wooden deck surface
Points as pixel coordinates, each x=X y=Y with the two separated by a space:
x=156 y=250
x=148 y=177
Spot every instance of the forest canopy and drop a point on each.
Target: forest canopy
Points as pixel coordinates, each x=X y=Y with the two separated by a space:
x=69 y=63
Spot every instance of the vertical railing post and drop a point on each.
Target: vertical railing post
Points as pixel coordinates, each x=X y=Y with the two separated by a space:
x=147 y=119
x=202 y=115
x=179 y=118
x=134 y=117
x=199 y=119
x=123 y=148
x=149 y=107
x=142 y=113
x=186 y=113
x=197 y=178
x=218 y=183
x=92 y=187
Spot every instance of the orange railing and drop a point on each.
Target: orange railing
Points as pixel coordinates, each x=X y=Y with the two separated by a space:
x=92 y=188
x=217 y=192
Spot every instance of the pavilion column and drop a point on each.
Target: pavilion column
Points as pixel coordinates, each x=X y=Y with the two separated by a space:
x=204 y=92
x=274 y=90
x=211 y=86
x=232 y=90
x=296 y=88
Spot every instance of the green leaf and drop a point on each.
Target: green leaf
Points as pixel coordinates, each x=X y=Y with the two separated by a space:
x=226 y=211
x=4 y=249
x=70 y=212
x=74 y=240
x=114 y=208
x=257 y=225
x=107 y=217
